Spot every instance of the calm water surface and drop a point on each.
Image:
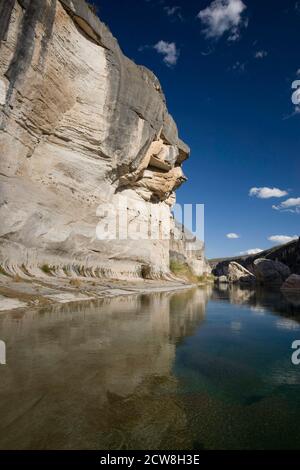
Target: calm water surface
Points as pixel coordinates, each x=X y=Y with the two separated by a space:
x=199 y=369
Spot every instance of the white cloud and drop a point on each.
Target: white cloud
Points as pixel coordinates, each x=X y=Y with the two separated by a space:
x=290 y=205
x=232 y=236
x=267 y=193
x=281 y=239
x=239 y=66
x=171 y=10
x=298 y=72
x=260 y=54
x=223 y=16
x=208 y=52
x=253 y=251
x=174 y=11
x=169 y=51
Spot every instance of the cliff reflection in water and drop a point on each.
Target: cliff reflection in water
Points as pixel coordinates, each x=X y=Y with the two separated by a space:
x=196 y=369
x=96 y=375
x=284 y=303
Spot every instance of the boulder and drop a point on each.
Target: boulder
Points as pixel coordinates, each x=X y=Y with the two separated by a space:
x=238 y=274
x=269 y=272
x=223 y=280
x=292 y=283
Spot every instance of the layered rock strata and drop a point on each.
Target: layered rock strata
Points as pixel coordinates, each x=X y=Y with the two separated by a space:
x=239 y=274
x=81 y=125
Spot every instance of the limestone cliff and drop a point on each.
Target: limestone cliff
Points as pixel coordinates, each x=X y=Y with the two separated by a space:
x=81 y=124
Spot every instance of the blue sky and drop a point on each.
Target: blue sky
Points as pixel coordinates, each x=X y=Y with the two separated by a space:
x=227 y=74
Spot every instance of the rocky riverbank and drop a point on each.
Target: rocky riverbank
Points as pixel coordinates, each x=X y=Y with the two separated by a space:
x=17 y=293
x=274 y=268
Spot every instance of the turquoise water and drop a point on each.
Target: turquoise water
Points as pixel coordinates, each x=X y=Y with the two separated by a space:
x=199 y=369
x=239 y=386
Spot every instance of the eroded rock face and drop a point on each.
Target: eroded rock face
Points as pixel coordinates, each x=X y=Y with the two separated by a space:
x=186 y=249
x=239 y=274
x=80 y=124
x=269 y=272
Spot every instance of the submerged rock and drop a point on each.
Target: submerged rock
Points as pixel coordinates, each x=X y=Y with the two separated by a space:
x=238 y=274
x=269 y=272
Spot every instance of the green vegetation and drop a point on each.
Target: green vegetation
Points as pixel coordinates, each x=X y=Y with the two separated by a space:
x=182 y=270
x=206 y=278
x=46 y=269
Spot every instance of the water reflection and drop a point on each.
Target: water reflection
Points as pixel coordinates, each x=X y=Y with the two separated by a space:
x=239 y=387
x=198 y=369
x=94 y=375
x=284 y=303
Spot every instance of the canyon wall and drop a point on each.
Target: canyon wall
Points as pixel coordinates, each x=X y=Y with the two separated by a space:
x=82 y=127
x=288 y=254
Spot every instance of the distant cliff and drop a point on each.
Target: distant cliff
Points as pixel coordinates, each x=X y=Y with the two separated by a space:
x=80 y=125
x=288 y=254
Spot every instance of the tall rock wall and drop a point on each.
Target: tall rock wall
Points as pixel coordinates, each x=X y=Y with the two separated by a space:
x=81 y=125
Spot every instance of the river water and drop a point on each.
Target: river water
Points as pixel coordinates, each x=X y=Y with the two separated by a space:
x=198 y=369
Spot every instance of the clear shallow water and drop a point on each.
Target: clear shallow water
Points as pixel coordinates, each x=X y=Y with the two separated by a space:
x=198 y=369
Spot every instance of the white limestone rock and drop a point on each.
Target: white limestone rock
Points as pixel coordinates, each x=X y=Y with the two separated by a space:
x=80 y=124
x=239 y=274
